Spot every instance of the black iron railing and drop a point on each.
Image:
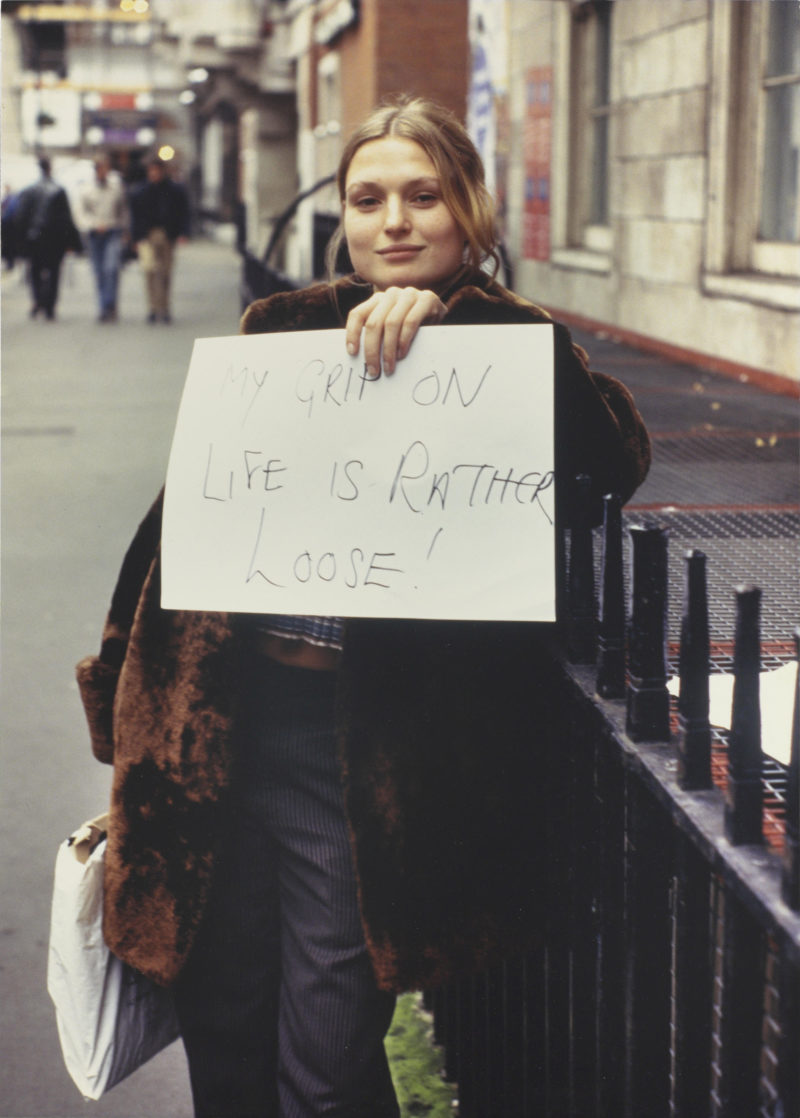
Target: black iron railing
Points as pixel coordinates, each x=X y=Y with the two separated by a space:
x=668 y=979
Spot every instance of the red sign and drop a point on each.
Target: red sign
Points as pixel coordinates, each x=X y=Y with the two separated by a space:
x=117 y=100
x=537 y=144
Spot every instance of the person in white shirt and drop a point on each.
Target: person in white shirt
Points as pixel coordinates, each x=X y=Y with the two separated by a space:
x=103 y=217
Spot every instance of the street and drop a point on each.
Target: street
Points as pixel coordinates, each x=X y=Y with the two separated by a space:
x=88 y=412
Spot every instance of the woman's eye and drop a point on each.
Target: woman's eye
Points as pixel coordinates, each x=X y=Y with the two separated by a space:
x=366 y=203
x=426 y=198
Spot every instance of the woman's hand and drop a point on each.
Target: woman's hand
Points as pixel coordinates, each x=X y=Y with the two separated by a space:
x=389 y=321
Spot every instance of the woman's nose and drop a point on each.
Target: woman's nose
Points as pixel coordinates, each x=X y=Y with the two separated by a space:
x=396 y=216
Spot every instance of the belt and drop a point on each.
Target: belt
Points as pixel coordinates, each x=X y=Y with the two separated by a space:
x=297 y=653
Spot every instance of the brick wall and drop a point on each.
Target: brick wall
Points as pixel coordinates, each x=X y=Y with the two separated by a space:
x=423 y=49
x=405 y=46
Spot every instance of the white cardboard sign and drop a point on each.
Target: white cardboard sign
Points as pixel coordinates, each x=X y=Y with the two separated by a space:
x=296 y=485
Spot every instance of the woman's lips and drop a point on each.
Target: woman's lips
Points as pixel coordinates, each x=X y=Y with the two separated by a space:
x=399 y=252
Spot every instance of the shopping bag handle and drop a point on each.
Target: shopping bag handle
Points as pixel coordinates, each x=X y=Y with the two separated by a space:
x=88 y=836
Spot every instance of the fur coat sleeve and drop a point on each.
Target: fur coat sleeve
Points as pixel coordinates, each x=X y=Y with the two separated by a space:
x=443 y=727
x=159 y=703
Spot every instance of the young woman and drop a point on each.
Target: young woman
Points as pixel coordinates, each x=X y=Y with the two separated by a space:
x=311 y=814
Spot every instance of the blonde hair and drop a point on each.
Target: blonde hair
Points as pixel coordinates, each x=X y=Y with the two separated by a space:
x=458 y=165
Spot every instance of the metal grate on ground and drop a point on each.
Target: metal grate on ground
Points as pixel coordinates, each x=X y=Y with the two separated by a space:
x=720 y=468
x=756 y=546
x=735 y=484
x=713 y=446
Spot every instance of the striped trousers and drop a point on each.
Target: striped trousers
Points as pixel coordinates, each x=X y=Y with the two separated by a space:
x=279 y=1010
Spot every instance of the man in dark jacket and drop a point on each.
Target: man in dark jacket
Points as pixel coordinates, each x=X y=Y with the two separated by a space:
x=45 y=231
x=160 y=216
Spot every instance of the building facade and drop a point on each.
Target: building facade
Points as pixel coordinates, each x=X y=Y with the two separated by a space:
x=79 y=79
x=348 y=56
x=648 y=168
x=236 y=61
x=644 y=154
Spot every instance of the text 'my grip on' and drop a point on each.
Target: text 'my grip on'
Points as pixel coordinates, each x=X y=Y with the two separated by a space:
x=299 y=484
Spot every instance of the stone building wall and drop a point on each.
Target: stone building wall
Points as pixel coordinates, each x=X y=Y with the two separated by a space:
x=655 y=272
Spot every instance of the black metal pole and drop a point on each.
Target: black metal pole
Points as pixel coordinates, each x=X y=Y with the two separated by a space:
x=790 y=882
x=744 y=796
x=581 y=604
x=611 y=635
x=694 y=740
x=648 y=698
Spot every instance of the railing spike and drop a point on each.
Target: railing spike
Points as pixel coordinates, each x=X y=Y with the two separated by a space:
x=648 y=698
x=694 y=741
x=611 y=635
x=790 y=880
x=582 y=606
x=744 y=796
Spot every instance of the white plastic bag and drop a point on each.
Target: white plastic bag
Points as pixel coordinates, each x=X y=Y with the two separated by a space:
x=110 y=1018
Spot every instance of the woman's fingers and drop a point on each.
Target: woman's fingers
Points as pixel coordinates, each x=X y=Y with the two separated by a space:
x=382 y=326
x=382 y=332
x=426 y=308
x=388 y=322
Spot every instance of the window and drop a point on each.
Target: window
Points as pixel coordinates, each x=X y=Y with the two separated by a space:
x=590 y=109
x=781 y=132
x=598 y=114
x=43 y=48
x=329 y=113
x=753 y=230
x=581 y=226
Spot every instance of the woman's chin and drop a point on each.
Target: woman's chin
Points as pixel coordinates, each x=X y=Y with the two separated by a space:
x=391 y=276
x=398 y=276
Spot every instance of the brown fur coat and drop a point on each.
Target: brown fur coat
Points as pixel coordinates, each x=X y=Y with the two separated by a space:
x=441 y=724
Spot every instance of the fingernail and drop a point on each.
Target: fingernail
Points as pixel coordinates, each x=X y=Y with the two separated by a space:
x=352 y=348
x=372 y=372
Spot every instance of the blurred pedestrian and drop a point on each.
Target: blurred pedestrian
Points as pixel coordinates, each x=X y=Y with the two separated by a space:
x=310 y=814
x=160 y=218
x=103 y=217
x=8 y=239
x=45 y=232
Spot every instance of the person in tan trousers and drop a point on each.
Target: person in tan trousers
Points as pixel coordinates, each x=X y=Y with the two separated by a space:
x=160 y=216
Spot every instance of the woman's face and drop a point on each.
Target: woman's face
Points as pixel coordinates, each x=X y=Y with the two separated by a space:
x=399 y=231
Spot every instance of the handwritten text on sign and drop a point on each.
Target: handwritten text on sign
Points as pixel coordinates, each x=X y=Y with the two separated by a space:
x=298 y=485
